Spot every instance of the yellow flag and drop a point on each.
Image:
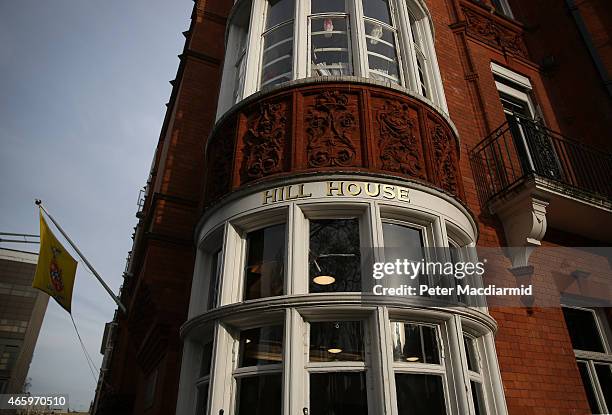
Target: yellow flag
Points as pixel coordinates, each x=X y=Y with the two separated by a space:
x=56 y=269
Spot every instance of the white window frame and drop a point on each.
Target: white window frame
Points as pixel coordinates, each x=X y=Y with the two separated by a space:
x=423 y=368
x=204 y=380
x=365 y=367
x=308 y=212
x=236 y=253
x=593 y=358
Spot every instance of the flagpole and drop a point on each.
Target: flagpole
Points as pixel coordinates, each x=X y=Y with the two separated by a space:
x=93 y=271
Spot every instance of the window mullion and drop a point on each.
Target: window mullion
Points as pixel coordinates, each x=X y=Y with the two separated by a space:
x=360 y=58
x=301 y=39
x=254 y=44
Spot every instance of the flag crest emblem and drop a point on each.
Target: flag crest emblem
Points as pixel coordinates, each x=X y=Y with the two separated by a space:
x=56 y=268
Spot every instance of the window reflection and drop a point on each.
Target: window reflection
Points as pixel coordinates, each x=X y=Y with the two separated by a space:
x=415 y=343
x=338 y=394
x=215 y=276
x=335 y=258
x=478 y=398
x=604 y=375
x=279 y=11
x=419 y=394
x=404 y=242
x=583 y=329
x=207 y=351
x=261 y=346
x=330 y=47
x=588 y=386
x=259 y=395
x=470 y=352
x=202 y=404
x=265 y=262
x=336 y=341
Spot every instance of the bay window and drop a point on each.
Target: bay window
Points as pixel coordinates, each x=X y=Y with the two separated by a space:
x=337 y=368
x=277 y=40
x=335 y=259
x=259 y=372
x=384 y=40
x=265 y=262
x=419 y=371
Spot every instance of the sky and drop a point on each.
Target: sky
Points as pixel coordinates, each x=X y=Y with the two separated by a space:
x=83 y=87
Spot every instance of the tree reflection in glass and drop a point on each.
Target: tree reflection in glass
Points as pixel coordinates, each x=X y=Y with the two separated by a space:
x=258 y=395
x=338 y=394
x=261 y=346
x=414 y=343
x=336 y=341
x=265 y=262
x=335 y=258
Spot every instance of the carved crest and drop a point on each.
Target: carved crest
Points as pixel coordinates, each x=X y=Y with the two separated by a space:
x=263 y=142
x=399 y=147
x=493 y=33
x=444 y=159
x=329 y=124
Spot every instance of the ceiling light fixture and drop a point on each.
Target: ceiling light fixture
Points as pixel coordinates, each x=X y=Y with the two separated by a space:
x=413 y=359
x=323 y=280
x=334 y=351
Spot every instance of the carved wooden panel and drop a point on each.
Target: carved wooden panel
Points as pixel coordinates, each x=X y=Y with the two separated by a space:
x=332 y=126
x=444 y=157
x=489 y=30
x=332 y=130
x=398 y=139
x=264 y=143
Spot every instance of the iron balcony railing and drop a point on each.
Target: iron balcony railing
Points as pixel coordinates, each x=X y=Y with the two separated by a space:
x=523 y=147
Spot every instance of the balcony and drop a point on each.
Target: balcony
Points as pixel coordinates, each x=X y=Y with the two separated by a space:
x=572 y=180
x=324 y=126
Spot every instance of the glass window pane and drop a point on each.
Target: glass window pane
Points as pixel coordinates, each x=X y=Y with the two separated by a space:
x=265 y=262
x=330 y=54
x=336 y=341
x=382 y=56
x=404 y=242
x=260 y=395
x=471 y=354
x=419 y=394
x=478 y=398
x=327 y=6
x=279 y=11
x=277 y=61
x=215 y=275
x=588 y=387
x=335 y=258
x=261 y=346
x=202 y=404
x=604 y=375
x=338 y=394
x=583 y=329
x=207 y=350
x=377 y=9
x=414 y=343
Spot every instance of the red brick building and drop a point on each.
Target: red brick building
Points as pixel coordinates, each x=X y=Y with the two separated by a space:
x=299 y=135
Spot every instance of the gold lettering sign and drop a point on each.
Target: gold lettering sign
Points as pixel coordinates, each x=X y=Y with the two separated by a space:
x=335 y=189
x=281 y=194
